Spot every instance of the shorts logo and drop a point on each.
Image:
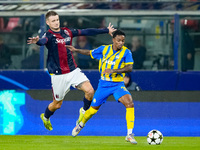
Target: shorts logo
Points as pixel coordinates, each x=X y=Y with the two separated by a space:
x=94 y=100
x=57 y=96
x=123 y=88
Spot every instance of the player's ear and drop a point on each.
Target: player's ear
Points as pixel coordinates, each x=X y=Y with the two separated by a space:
x=113 y=39
x=47 y=22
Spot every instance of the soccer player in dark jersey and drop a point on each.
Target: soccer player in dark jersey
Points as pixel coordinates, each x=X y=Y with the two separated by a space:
x=114 y=61
x=62 y=66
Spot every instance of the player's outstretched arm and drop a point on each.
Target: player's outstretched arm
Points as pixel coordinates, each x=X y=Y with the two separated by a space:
x=93 y=31
x=81 y=51
x=127 y=68
x=37 y=40
x=33 y=40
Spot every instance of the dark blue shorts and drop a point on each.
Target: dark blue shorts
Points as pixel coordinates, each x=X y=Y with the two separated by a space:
x=107 y=88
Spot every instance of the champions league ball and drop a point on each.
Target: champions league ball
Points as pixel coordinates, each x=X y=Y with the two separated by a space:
x=154 y=137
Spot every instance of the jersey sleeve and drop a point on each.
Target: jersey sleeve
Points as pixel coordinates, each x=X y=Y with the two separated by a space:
x=88 y=32
x=75 y=32
x=97 y=53
x=128 y=58
x=42 y=41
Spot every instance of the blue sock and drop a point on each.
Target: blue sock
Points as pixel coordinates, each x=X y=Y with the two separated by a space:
x=87 y=103
x=48 y=113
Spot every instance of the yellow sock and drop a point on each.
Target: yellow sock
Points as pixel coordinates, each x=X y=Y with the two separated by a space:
x=88 y=114
x=130 y=118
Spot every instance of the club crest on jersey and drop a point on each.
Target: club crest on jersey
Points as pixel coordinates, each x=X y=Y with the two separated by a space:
x=66 y=32
x=117 y=56
x=63 y=41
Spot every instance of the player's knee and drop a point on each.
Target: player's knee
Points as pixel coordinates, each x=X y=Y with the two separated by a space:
x=129 y=104
x=89 y=94
x=58 y=106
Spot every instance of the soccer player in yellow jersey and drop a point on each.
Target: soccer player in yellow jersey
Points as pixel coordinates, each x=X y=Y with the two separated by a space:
x=114 y=61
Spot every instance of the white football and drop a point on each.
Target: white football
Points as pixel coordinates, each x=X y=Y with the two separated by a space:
x=154 y=137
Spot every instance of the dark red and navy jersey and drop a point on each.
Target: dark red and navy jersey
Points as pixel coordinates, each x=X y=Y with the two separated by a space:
x=60 y=60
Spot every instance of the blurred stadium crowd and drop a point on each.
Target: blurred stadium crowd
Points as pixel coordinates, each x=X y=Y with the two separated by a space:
x=151 y=39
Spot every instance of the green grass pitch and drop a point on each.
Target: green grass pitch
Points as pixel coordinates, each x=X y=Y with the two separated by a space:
x=28 y=142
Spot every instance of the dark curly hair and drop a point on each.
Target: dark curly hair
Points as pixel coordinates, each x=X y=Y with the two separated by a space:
x=118 y=32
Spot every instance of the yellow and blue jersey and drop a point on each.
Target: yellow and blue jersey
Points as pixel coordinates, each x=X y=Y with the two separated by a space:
x=111 y=59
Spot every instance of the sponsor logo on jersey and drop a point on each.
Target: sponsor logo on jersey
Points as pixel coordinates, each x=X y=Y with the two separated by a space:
x=63 y=41
x=110 y=62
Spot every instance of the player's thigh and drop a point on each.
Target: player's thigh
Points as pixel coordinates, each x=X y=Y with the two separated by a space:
x=60 y=86
x=79 y=80
x=57 y=103
x=100 y=96
x=122 y=95
x=126 y=100
x=86 y=87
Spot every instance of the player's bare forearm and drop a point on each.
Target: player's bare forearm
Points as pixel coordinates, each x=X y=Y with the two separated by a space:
x=81 y=51
x=127 y=68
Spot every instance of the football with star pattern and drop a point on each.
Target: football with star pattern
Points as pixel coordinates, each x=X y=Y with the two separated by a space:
x=154 y=137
